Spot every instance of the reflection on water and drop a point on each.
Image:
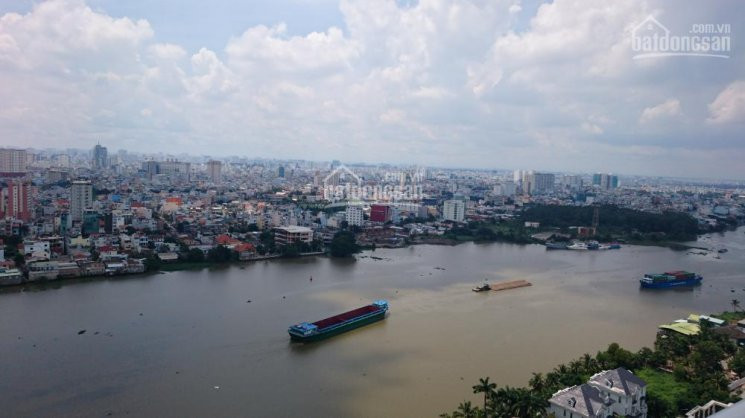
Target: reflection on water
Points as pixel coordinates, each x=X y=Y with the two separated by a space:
x=200 y=349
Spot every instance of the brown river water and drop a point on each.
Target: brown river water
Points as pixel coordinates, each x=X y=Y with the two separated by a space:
x=189 y=344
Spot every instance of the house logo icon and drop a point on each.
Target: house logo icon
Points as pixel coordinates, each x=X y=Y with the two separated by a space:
x=650 y=27
x=341 y=175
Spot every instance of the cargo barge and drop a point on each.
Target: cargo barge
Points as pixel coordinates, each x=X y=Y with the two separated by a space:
x=337 y=324
x=670 y=279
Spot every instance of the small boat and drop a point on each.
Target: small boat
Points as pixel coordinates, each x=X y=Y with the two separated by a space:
x=483 y=288
x=337 y=324
x=593 y=245
x=556 y=245
x=578 y=245
x=722 y=250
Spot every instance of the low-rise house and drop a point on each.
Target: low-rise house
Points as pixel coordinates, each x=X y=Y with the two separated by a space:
x=92 y=268
x=168 y=257
x=607 y=394
x=134 y=266
x=43 y=270
x=581 y=401
x=284 y=235
x=37 y=249
x=10 y=276
x=627 y=391
x=68 y=269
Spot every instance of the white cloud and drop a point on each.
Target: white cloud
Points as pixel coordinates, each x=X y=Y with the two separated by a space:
x=452 y=82
x=729 y=105
x=668 y=108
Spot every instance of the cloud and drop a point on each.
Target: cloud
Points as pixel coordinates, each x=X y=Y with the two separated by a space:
x=669 y=108
x=489 y=83
x=729 y=105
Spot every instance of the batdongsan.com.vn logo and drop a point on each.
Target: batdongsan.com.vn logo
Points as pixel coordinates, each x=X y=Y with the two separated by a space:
x=342 y=184
x=652 y=39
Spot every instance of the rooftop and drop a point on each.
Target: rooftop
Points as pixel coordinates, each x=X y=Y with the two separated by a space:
x=583 y=399
x=294 y=229
x=618 y=380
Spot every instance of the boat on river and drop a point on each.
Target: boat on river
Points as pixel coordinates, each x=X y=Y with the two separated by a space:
x=670 y=279
x=337 y=324
x=483 y=288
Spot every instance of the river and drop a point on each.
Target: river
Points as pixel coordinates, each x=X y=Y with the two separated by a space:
x=190 y=344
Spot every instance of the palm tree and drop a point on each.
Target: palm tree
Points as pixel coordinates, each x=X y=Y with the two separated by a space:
x=588 y=363
x=487 y=388
x=536 y=382
x=735 y=304
x=465 y=410
x=529 y=404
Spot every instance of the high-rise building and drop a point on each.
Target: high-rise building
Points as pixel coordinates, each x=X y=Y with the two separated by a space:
x=12 y=162
x=354 y=215
x=81 y=198
x=317 y=178
x=150 y=168
x=454 y=210
x=536 y=183
x=175 y=169
x=505 y=188
x=281 y=172
x=605 y=181
x=100 y=157
x=16 y=201
x=214 y=170
x=571 y=182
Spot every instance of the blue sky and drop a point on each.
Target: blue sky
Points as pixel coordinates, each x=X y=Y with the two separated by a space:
x=490 y=84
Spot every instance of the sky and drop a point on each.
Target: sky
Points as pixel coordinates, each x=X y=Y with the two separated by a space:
x=485 y=84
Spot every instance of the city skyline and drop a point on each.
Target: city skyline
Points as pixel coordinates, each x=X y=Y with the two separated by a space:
x=499 y=84
x=134 y=157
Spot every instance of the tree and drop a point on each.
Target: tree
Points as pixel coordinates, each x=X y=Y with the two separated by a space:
x=735 y=304
x=536 y=383
x=343 y=244
x=465 y=410
x=220 y=254
x=487 y=388
x=195 y=255
x=152 y=263
x=737 y=363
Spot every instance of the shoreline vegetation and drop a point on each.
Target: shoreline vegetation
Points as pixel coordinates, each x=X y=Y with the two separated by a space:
x=680 y=371
x=628 y=226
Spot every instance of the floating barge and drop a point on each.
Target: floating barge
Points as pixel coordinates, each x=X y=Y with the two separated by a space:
x=337 y=324
x=670 y=279
x=514 y=284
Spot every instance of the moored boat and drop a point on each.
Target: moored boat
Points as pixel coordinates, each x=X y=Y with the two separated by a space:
x=578 y=245
x=670 y=279
x=337 y=324
x=483 y=288
x=556 y=245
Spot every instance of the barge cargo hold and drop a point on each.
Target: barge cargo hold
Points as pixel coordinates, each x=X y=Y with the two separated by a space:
x=340 y=323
